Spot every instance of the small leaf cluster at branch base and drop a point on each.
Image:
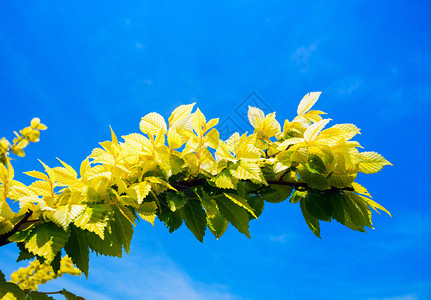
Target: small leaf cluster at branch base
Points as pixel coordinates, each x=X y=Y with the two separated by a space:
x=26 y=135
x=180 y=171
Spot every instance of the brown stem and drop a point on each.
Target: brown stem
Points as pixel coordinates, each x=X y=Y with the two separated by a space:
x=304 y=185
x=4 y=237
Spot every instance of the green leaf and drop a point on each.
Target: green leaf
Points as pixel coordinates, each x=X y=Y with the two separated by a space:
x=94 y=218
x=24 y=254
x=38 y=296
x=46 y=240
x=217 y=225
x=358 y=210
x=172 y=220
x=235 y=214
x=21 y=236
x=109 y=246
x=123 y=229
x=69 y=296
x=241 y=202
x=176 y=164
x=209 y=205
x=127 y=213
x=341 y=180
x=224 y=180
x=315 y=164
x=311 y=221
x=2 y=277
x=276 y=193
x=92 y=195
x=348 y=213
x=176 y=200
x=77 y=249
x=11 y=291
x=297 y=196
x=319 y=205
x=195 y=218
x=56 y=263
x=147 y=211
x=314 y=181
x=257 y=203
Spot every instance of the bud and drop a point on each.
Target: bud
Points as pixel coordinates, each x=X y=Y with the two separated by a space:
x=34 y=135
x=4 y=145
x=35 y=122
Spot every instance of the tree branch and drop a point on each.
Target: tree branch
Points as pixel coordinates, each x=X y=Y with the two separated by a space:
x=304 y=185
x=4 y=237
x=187 y=184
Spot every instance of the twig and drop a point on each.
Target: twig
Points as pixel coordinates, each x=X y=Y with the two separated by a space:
x=4 y=237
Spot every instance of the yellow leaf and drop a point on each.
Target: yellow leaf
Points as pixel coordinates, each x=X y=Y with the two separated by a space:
x=372 y=162
x=307 y=102
x=245 y=170
x=138 y=142
x=113 y=136
x=152 y=123
x=375 y=205
x=41 y=187
x=10 y=170
x=286 y=143
x=313 y=116
x=198 y=121
x=5 y=211
x=224 y=181
x=360 y=189
x=42 y=127
x=68 y=168
x=222 y=151
x=255 y=116
x=299 y=154
x=85 y=166
x=160 y=139
x=270 y=126
x=3 y=173
x=313 y=130
x=49 y=171
x=232 y=142
x=175 y=139
x=180 y=113
x=105 y=158
x=211 y=123
x=248 y=151
x=96 y=152
x=348 y=130
x=212 y=138
x=37 y=174
x=64 y=177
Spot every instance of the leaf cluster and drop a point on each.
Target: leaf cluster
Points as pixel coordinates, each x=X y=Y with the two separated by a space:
x=181 y=172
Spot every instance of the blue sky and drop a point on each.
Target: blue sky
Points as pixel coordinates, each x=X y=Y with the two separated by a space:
x=83 y=65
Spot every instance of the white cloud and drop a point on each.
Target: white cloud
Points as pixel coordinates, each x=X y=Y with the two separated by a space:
x=147 y=82
x=282 y=238
x=141 y=277
x=303 y=54
x=404 y=297
x=346 y=86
